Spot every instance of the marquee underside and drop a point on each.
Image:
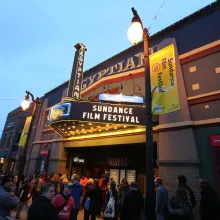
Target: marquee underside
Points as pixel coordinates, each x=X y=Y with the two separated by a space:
x=72 y=128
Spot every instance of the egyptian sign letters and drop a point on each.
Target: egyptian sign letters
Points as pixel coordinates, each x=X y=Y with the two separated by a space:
x=75 y=83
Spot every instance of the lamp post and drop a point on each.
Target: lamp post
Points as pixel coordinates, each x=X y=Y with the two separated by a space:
x=136 y=33
x=25 y=105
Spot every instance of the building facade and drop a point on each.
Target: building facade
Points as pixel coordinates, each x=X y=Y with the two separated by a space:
x=10 y=138
x=186 y=141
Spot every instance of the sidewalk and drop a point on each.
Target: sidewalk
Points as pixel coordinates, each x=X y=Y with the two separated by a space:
x=23 y=215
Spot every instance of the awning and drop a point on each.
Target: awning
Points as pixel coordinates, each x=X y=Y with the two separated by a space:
x=3 y=154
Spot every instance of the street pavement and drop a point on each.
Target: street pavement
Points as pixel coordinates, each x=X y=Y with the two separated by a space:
x=23 y=215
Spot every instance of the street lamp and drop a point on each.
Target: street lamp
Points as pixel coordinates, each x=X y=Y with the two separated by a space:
x=136 y=33
x=25 y=104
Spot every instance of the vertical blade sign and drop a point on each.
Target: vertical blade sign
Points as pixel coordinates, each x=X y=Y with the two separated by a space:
x=75 y=83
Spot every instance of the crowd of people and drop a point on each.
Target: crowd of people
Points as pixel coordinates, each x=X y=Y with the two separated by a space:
x=58 y=198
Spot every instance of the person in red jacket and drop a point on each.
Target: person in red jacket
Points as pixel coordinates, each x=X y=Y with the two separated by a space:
x=64 y=202
x=84 y=181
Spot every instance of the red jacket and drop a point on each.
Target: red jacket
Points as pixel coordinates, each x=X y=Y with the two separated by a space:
x=58 y=201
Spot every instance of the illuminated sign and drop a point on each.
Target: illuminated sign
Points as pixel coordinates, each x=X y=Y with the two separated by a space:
x=10 y=124
x=215 y=140
x=78 y=76
x=121 y=98
x=58 y=111
x=100 y=112
x=44 y=152
x=136 y=61
x=78 y=160
x=75 y=83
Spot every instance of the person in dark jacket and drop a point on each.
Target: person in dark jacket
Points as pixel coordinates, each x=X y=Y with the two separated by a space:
x=8 y=200
x=133 y=204
x=123 y=191
x=24 y=196
x=42 y=209
x=111 y=191
x=76 y=193
x=180 y=207
x=182 y=182
x=210 y=204
x=92 y=193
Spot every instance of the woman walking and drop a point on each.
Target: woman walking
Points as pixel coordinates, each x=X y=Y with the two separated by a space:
x=24 y=196
x=123 y=191
x=92 y=200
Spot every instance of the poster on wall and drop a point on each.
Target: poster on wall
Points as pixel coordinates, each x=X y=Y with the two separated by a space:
x=122 y=175
x=164 y=87
x=114 y=174
x=25 y=131
x=131 y=176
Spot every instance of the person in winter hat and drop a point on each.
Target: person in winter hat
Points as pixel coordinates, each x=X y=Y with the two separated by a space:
x=161 y=199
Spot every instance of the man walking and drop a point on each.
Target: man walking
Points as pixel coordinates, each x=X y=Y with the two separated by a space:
x=182 y=182
x=64 y=202
x=133 y=204
x=76 y=193
x=42 y=209
x=161 y=199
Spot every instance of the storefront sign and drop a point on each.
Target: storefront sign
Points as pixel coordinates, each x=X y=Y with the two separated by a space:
x=10 y=124
x=44 y=152
x=165 y=96
x=78 y=160
x=78 y=76
x=121 y=98
x=25 y=131
x=131 y=63
x=117 y=162
x=99 y=112
x=215 y=140
x=75 y=83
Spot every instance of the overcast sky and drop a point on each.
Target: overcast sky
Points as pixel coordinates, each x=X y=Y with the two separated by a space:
x=37 y=38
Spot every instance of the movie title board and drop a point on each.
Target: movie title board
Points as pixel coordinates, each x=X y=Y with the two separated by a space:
x=99 y=112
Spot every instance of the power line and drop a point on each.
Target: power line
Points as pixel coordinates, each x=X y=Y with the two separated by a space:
x=158 y=12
